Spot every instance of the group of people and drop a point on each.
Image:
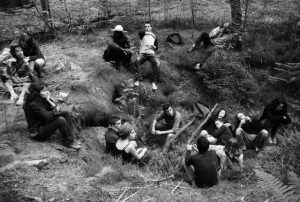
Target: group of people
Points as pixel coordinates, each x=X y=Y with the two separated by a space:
x=218 y=145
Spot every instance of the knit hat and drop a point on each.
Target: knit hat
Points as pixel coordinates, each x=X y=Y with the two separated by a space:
x=118 y=28
x=125 y=130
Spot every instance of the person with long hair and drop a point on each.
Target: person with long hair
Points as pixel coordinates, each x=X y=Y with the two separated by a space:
x=43 y=117
x=128 y=146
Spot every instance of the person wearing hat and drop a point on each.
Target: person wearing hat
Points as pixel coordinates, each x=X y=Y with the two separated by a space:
x=118 y=47
x=128 y=146
x=218 y=37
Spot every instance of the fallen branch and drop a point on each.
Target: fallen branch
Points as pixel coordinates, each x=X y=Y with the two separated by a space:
x=134 y=193
x=176 y=187
x=202 y=123
x=162 y=179
x=121 y=195
x=278 y=79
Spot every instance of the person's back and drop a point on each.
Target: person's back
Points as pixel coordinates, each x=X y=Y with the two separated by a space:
x=112 y=136
x=205 y=164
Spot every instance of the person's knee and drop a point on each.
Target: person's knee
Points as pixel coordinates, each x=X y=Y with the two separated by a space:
x=264 y=133
x=238 y=131
x=39 y=62
x=61 y=120
x=170 y=135
x=203 y=133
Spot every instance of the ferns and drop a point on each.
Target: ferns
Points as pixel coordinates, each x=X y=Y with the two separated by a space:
x=280 y=192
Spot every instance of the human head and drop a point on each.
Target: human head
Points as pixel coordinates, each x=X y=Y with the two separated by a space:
x=240 y=116
x=24 y=40
x=17 y=52
x=232 y=144
x=219 y=123
x=168 y=109
x=115 y=121
x=221 y=114
x=148 y=27
x=36 y=88
x=202 y=144
x=127 y=131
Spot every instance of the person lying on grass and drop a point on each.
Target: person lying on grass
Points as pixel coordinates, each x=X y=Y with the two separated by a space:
x=127 y=145
x=18 y=74
x=221 y=136
x=250 y=133
x=112 y=136
x=43 y=117
x=166 y=130
x=275 y=115
x=202 y=167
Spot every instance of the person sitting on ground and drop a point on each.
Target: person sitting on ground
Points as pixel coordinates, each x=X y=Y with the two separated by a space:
x=275 y=115
x=218 y=37
x=43 y=117
x=127 y=145
x=234 y=152
x=221 y=136
x=118 y=48
x=202 y=168
x=148 y=46
x=112 y=136
x=173 y=121
x=17 y=75
x=250 y=133
x=33 y=54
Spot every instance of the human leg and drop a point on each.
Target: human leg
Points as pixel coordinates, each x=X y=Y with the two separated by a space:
x=22 y=95
x=245 y=140
x=139 y=61
x=155 y=66
x=38 y=67
x=210 y=138
x=191 y=174
x=261 y=139
x=13 y=95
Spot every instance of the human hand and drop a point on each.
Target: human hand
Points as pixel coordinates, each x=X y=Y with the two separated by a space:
x=153 y=131
x=145 y=149
x=157 y=132
x=227 y=124
x=189 y=147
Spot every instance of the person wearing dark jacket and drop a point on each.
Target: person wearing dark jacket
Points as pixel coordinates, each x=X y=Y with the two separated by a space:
x=44 y=118
x=250 y=133
x=275 y=115
x=118 y=48
x=202 y=167
x=112 y=136
x=148 y=46
x=33 y=54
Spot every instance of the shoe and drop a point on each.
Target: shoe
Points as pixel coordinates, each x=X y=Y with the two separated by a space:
x=75 y=145
x=243 y=147
x=197 y=66
x=154 y=86
x=257 y=149
x=270 y=140
x=274 y=140
x=136 y=83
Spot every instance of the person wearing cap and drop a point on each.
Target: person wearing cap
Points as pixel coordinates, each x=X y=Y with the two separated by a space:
x=33 y=54
x=148 y=46
x=118 y=47
x=218 y=37
x=127 y=145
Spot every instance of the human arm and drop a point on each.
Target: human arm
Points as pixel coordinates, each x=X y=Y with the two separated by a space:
x=155 y=44
x=215 y=32
x=188 y=159
x=276 y=118
x=156 y=119
x=134 y=152
x=35 y=52
x=175 y=127
x=41 y=112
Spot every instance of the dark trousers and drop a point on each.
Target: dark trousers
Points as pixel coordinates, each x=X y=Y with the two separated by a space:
x=63 y=123
x=268 y=124
x=158 y=139
x=116 y=54
x=204 y=37
x=141 y=59
x=252 y=141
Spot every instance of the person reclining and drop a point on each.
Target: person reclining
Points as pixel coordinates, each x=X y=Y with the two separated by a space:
x=250 y=133
x=275 y=115
x=173 y=121
x=43 y=117
x=218 y=37
x=33 y=54
x=127 y=145
x=221 y=136
x=202 y=167
x=17 y=74
x=118 y=48
x=112 y=136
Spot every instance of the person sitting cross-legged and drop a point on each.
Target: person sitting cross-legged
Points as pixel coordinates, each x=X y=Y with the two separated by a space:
x=43 y=117
x=173 y=121
x=202 y=167
x=234 y=152
x=127 y=145
x=112 y=136
x=250 y=133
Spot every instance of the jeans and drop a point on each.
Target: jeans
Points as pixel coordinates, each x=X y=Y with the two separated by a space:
x=204 y=37
x=63 y=123
x=251 y=141
x=141 y=59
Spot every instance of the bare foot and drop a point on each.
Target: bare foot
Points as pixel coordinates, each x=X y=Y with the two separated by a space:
x=13 y=98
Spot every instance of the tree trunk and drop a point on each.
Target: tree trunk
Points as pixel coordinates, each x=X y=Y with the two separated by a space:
x=236 y=13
